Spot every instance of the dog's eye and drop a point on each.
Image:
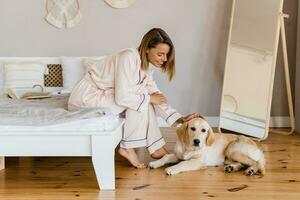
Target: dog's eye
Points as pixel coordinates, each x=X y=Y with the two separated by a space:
x=193 y=128
x=203 y=130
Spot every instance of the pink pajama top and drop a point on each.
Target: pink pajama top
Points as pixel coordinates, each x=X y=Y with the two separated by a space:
x=116 y=83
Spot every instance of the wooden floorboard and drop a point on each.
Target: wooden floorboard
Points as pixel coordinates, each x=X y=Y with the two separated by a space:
x=74 y=178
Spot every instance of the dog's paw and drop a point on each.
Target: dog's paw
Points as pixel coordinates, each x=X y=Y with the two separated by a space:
x=154 y=164
x=187 y=155
x=250 y=171
x=171 y=171
x=228 y=169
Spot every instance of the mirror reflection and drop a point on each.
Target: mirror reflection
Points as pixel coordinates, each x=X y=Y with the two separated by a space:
x=250 y=66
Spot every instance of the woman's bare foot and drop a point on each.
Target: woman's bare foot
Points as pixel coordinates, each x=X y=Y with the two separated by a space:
x=131 y=156
x=159 y=153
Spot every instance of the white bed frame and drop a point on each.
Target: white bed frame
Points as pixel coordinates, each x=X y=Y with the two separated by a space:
x=100 y=145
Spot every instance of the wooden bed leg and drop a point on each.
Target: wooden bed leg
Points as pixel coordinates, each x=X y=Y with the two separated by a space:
x=103 y=157
x=2 y=163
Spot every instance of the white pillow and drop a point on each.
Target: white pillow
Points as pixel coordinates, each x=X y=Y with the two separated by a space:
x=73 y=71
x=23 y=76
x=15 y=61
x=88 y=63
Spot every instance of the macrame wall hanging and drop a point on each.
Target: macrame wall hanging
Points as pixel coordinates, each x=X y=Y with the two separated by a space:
x=119 y=3
x=63 y=13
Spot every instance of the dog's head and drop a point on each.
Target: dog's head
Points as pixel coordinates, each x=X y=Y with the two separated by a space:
x=195 y=134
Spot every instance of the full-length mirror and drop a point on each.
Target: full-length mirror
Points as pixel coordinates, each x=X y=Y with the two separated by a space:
x=250 y=66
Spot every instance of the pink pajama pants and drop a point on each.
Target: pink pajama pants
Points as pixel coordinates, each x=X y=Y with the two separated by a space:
x=141 y=128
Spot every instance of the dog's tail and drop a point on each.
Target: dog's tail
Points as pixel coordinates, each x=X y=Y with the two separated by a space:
x=245 y=151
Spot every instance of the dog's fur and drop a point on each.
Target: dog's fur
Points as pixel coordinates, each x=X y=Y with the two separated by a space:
x=213 y=149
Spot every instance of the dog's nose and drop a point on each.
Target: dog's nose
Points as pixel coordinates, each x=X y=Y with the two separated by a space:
x=196 y=142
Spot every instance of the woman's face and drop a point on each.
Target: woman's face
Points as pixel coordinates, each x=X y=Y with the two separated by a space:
x=157 y=56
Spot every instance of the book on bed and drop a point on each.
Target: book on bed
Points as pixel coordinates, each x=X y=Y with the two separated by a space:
x=16 y=94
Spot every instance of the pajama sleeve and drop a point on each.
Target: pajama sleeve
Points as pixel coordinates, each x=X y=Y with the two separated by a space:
x=169 y=114
x=165 y=111
x=151 y=86
x=125 y=83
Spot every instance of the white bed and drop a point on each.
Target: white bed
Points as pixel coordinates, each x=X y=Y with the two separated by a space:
x=95 y=136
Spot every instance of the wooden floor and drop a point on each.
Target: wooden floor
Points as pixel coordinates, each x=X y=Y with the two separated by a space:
x=74 y=178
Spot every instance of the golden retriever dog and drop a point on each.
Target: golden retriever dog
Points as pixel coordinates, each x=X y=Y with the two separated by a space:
x=198 y=147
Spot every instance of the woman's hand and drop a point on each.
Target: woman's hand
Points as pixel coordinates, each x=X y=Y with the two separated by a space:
x=158 y=99
x=192 y=116
x=187 y=118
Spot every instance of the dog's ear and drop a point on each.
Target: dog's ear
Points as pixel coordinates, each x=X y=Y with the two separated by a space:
x=182 y=133
x=211 y=137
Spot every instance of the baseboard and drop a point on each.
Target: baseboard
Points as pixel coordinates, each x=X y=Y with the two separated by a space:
x=275 y=122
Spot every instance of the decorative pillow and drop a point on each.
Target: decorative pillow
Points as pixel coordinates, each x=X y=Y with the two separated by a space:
x=87 y=63
x=73 y=71
x=54 y=77
x=13 y=61
x=24 y=76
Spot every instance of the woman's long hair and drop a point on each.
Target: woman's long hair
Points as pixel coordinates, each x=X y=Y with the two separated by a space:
x=152 y=38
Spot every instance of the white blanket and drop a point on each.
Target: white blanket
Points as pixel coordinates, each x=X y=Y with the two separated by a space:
x=41 y=112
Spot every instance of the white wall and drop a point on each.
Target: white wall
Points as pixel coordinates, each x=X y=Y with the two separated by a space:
x=199 y=29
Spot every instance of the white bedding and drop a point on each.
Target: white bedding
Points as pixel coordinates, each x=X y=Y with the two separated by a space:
x=51 y=115
x=104 y=123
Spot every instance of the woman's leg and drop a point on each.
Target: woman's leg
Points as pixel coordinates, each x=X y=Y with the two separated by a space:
x=134 y=136
x=159 y=153
x=141 y=129
x=170 y=115
x=155 y=141
x=132 y=157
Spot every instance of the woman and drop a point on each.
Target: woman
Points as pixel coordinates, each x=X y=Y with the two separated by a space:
x=123 y=82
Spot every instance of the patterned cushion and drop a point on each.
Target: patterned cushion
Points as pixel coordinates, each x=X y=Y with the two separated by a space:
x=54 y=77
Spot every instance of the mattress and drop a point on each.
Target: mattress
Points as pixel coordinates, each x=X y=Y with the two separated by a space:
x=104 y=124
x=51 y=115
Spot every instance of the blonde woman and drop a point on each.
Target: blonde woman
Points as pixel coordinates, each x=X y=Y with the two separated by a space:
x=123 y=82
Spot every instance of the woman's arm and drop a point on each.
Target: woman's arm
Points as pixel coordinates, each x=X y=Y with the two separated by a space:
x=158 y=99
x=125 y=82
x=151 y=86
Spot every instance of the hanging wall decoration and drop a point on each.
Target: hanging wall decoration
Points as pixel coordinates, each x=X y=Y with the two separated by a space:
x=119 y=3
x=63 y=13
